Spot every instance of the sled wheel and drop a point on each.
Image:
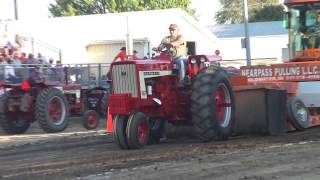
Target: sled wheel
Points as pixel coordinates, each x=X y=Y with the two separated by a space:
x=212 y=105
x=298 y=113
x=156 y=131
x=137 y=130
x=90 y=119
x=11 y=123
x=119 y=131
x=52 y=110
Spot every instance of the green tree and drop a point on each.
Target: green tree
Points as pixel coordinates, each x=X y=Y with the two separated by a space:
x=259 y=10
x=86 y=7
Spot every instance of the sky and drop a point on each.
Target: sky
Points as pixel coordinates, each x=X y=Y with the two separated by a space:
x=37 y=9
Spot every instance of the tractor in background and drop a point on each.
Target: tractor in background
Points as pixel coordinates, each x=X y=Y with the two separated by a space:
x=50 y=94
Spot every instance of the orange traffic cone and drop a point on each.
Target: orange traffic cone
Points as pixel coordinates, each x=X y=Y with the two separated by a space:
x=109 y=123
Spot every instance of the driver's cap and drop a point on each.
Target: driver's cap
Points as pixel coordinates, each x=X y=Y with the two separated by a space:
x=173 y=26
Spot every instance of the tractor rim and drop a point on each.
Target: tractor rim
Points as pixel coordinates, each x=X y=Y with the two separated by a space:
x=57 y=110
x=92 y=120
x=142 y=132
x=302 y=113
x=223 y=105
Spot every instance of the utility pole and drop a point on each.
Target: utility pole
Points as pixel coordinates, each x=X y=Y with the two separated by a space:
x=129 y=42
x=246 y=30
x=15 y=4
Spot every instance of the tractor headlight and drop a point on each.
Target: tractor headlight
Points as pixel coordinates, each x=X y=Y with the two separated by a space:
x=202 y=59
x=193 y=61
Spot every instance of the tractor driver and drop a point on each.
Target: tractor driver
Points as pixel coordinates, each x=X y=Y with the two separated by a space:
x=313 y=33
x=177 y=40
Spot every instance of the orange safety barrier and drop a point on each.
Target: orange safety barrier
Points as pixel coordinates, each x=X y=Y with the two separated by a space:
x=109 y=122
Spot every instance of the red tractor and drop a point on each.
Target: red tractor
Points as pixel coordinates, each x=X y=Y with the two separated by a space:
x=145 y=95
x=50 y=95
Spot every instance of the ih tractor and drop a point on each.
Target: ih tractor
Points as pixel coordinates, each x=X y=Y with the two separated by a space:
x=50 y=94
x=269 y=99
x=145 y=95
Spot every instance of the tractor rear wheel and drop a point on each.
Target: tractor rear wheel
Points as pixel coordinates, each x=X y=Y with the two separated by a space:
x=11 y=123
x=119 y=131
x=212 y=105
x=298 y=113
x=52 y=110
x=90 y=119
x=138 y=130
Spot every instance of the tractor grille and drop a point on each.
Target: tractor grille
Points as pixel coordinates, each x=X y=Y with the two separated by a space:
x=124 y=79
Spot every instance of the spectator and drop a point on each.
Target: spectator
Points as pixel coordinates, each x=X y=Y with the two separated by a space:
x=16 y=59
x=51 y=61
x=10 y=48
x=6 y=55
x=41 y=59
x=31 y=59
x=2 y=61
x=36 y=76
x=122 y=55
x=23 y=58
x=135 y=55
x=9 y=73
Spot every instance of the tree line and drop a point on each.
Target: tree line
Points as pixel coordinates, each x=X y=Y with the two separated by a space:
x=231 y=11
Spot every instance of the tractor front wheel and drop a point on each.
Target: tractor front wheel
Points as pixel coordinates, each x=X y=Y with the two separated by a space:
x=119 y=131
x=212 y=106
x=90 y=119
x=138 y=130
x=11 y=122
x=52 y=110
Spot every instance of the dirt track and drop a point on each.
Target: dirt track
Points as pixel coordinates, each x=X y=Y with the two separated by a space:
x=93 y=155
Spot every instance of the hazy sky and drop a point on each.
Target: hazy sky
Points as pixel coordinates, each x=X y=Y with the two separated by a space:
x=38 y=9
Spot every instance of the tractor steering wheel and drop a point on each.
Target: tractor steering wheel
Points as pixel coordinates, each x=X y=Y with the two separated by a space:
x=168 y=48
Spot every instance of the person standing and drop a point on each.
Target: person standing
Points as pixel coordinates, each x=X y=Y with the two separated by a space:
x=135 y=55
x=122 y=55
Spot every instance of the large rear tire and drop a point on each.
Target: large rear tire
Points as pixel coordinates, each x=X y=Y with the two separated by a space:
x=11 y=123
x=119 y=131
x=212 y=105
x=52 y=110
x=138 y=130
x=298 y=113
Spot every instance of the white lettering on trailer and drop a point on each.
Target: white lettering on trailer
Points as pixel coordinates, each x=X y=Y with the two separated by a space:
x=304 y=72
x=287 y=71
x=257 y=72
x=310 y=70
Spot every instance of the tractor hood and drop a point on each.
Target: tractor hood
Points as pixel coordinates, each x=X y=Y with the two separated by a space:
x=149 y=64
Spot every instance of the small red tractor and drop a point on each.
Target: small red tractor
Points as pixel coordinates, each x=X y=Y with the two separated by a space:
x=50 y=94
x=145 y=95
